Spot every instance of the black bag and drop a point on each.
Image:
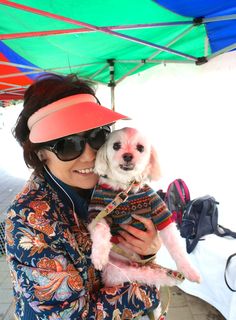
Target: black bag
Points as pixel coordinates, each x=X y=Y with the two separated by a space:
x=200 y=218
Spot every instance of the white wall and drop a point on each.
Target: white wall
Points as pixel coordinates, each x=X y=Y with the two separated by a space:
x=189 y=111
x=11 y=156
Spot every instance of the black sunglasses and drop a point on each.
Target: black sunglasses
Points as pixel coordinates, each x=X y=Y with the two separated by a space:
x=71 y=147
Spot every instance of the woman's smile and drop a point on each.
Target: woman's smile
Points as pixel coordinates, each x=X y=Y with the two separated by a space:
x=85 y=171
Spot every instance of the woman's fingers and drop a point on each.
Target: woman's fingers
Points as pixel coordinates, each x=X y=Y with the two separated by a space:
x=130 y=245
x=150 y=231
x=142 y=242
x=130 y=239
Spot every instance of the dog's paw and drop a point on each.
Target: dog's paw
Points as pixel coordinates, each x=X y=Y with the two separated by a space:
x=99 y=260
x=191 y=274
x=193 y=277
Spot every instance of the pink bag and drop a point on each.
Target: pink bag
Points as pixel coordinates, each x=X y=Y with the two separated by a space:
x=176 y=198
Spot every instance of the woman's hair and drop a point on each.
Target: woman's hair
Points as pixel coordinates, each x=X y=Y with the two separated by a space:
x=45 y=90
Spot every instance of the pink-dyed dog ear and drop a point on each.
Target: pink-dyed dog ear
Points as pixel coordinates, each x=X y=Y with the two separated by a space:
x=154 y=167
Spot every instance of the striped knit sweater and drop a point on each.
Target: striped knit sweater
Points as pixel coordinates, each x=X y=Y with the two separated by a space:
x=145 y=202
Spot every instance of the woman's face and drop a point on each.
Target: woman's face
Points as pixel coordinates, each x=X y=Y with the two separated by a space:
x=76 y=173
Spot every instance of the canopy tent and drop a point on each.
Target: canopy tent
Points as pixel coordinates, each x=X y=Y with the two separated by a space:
x=107 y=40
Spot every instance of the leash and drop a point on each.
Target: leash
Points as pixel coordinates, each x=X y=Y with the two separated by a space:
x=166 y=307
x=119 y=198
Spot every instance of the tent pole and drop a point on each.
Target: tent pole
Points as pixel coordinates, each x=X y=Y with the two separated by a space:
x=219 y=18
x=113 y=98
x=224 y=50
x=17 y=35
x=112 y=84
x=150 y=59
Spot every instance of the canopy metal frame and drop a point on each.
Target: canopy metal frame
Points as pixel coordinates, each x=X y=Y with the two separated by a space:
x=111 y=30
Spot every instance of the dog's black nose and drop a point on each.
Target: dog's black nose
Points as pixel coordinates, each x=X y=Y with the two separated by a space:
x=127 y=157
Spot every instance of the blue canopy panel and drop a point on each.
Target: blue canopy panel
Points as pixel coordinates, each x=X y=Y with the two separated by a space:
x=221 y=34
x=13 y=57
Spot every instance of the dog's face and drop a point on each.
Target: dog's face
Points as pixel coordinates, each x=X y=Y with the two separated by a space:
x=126 y=155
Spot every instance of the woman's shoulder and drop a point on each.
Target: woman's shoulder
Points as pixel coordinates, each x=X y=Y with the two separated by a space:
x=35 y=196
x=31 y=190
x=34 y=208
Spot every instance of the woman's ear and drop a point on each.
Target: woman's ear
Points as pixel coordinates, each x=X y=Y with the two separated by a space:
x=154 y=167
x=101 y=163
x=41 y=155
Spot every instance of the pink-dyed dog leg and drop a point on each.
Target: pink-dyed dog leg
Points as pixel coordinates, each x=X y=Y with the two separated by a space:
x=101 y=247
x=171 y=240
x=116 y=273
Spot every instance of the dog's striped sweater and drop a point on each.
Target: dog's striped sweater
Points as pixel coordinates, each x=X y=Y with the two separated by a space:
x=145 y=203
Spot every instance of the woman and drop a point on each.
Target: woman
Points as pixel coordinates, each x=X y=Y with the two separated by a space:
x=61 y=127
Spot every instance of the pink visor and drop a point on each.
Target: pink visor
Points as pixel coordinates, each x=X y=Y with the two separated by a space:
x=70 y=115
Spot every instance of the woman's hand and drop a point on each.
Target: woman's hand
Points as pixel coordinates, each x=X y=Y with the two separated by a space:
x=142 y=242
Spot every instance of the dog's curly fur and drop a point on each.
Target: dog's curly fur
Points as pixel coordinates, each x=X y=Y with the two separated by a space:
x=126 y=156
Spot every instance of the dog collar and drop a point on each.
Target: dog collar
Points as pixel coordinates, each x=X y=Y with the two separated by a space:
x=133 y=183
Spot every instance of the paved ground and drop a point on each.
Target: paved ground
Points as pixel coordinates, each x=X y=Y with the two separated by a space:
x=9 y=186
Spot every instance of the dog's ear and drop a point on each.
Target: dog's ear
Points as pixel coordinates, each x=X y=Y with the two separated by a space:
x=154 y=167
x=101 y=163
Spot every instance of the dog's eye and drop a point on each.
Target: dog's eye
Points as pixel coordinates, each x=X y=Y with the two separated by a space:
x=116 y=145
x=140 y=147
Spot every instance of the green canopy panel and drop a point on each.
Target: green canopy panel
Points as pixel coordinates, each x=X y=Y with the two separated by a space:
x=92 y=38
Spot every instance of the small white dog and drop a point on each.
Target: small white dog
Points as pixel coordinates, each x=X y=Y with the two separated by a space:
x=125 y=157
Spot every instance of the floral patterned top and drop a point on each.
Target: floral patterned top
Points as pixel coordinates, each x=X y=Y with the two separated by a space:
x=48 y=250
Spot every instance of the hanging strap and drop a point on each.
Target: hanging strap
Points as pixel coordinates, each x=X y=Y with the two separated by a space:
x=164 y=308
x=183 y=190
x=226 y=266
x=224 y=232
x=167 y=304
